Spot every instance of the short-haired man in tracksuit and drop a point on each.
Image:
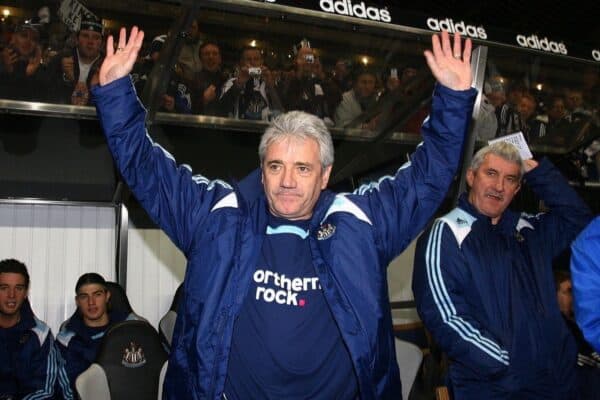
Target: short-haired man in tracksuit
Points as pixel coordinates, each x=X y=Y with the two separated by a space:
x=484 y=286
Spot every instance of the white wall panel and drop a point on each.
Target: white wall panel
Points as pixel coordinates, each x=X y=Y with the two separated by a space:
x=155 y=268
x=58 y=243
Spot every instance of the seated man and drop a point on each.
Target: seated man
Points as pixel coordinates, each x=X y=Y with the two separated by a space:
x=28 y=359
x=588 y=361
x=483 y=282
x=80 y=335
x=251 y=94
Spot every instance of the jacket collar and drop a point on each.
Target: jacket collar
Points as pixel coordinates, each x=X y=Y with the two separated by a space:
x=507 y=222
x=27 y=320
x=252 y=194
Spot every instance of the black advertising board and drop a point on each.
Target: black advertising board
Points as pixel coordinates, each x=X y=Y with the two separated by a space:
x=362 y=10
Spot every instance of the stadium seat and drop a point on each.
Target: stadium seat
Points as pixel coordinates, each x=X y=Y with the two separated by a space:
x=128 y=365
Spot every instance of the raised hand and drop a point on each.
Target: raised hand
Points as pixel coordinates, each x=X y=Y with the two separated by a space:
x=118 y=63
x=450 y=65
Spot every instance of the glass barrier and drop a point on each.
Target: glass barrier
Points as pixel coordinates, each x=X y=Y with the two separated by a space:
x=239 y=64
x=227 y=65
x=553 y=101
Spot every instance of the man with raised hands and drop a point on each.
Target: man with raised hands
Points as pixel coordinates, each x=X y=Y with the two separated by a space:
x=285 y=293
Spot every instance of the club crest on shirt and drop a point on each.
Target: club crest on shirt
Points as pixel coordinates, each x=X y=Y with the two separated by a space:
x=133 y=356
x=325 y=231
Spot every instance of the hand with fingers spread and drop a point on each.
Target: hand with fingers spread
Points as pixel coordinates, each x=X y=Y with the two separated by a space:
x=118 y=63
x=449 y=64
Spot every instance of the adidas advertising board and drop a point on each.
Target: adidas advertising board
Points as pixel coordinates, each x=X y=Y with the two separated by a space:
x=350 y=8
x=355 y=9
x=534 y=42
x=447 y=24
x=368 y=10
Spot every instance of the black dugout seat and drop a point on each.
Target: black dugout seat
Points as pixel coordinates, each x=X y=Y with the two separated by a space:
x=128 y=365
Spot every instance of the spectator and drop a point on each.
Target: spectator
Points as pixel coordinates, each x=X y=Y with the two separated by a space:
x=73 y=73
x=20 y=72
x=483 y=282
x=356 y=101
x=533 y=129
x=207 y=85
x=306 y=89
x=585 y=268
x=285 y=293
x=341 y=76
x=588 y=361
x=189 y=64
x=28 y=360
x=559 y=129
x=577 y=111
x=251 y=94
x=81 y=334
x=177 y=97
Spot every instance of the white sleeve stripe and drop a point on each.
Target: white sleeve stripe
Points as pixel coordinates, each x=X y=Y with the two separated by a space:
x=445 y=296
x=367 y=187
x=444 y=303
x=51 y=370
x=198 y=179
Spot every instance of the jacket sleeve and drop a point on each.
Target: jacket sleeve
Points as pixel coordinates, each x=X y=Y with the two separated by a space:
x=173 y=197
x=41 y=367
x=402 y=204
x=73 y=362
x=439 y=286
x=585 y=272
x=568 y=213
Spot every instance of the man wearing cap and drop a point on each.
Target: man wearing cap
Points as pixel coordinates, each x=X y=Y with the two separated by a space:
x=28 y=357
x=20 y=73
x=80 y=335
x=72 y=74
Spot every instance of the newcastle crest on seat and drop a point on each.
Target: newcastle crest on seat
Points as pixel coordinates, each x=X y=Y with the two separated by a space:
x=133 y=356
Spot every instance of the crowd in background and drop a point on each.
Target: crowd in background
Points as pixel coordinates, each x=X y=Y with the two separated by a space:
x=41 y=60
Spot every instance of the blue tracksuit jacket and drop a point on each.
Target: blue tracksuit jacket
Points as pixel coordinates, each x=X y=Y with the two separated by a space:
x=220 y=228
x=585 y=270
x=77 y=348
x=487 y=294
x=28 y=359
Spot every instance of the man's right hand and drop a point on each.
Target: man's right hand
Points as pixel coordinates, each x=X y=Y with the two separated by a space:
x=449 y=64
x=118 y=63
